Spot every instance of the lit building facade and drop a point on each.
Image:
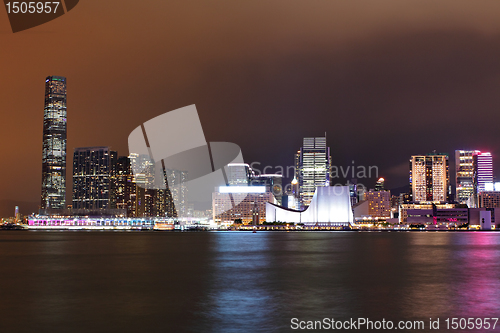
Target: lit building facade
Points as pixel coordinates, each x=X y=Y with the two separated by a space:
x=241 y=203
x=54 y=144
x=329 y=207
x=92 y=177
x=464 y=166
x=404 y=208
x=124 y=188
x=379 y=203
x=429 y=178
x=314 y=167
x=449 y=216
x=489 y=199
x=483 y=168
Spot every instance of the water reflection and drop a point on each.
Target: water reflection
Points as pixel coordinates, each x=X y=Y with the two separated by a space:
x=478 y=276
x=241 y=281
x=237 y=297
x=452 y=274
x=263 y=280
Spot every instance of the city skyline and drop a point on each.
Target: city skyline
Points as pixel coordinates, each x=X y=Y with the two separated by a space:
x=481 y=160
x=297 y=81
x=250 y=166
x=101 y=184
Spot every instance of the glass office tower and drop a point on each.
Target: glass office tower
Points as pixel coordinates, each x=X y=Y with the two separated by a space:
x=464 y=166
x=314 y=166
x=54 y=144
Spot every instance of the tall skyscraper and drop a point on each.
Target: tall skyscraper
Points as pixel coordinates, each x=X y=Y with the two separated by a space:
x=314 y=167
x=483 y=163
x=92 y=177
x=429 y=178
x=464 y=170
x=54 y=144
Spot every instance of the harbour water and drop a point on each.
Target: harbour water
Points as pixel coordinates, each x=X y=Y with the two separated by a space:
x=63 y=281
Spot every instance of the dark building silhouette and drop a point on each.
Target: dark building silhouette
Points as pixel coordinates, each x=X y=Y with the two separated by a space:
x=92 y=173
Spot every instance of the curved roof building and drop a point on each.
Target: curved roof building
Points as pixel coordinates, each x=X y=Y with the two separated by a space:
x=330 y=205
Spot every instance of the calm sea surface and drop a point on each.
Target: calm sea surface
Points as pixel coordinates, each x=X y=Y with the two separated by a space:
x=241 y=281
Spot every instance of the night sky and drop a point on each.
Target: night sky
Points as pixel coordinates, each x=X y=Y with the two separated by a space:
x=384 y=79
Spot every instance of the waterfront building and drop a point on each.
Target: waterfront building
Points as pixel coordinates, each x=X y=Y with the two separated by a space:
x=92 y=173
x=379 y=203
x=442 y=216
x=483 y=218
x=405 y=207
x=241 y=204
x=64 y=222
x=314 y=167
x=329 y=207
x=429 y=179
x=53 y=194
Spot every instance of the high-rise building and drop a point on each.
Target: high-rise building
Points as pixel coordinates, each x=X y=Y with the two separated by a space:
x=124 y=188
x=483 y=168
x=143 y=180
x=92 y=177
x=429 y=178
x=54 y=144
x=151 y=201
x=176 y=185
x=314 y=167
x=464 y=171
